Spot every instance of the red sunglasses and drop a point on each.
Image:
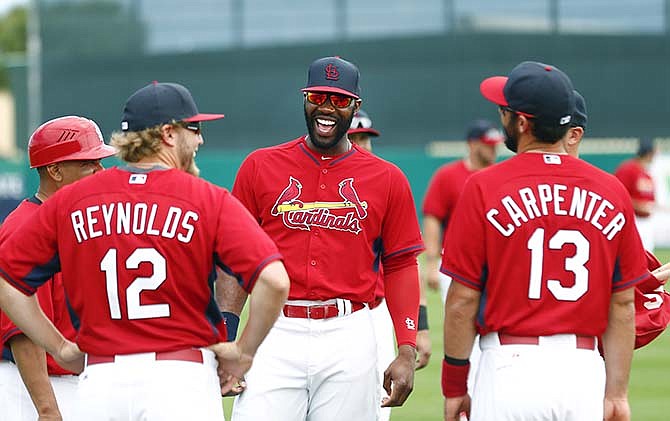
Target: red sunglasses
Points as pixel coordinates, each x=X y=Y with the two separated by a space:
x=320 y=98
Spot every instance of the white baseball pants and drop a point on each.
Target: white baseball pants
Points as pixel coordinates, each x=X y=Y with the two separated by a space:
x=314 y=370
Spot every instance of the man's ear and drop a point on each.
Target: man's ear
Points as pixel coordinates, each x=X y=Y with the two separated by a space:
x=54 y=172
x=169 y=134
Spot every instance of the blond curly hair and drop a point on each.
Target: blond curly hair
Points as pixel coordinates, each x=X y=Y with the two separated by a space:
x=134 y=146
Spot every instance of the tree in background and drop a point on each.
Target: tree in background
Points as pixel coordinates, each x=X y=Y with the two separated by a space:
x=12 y=38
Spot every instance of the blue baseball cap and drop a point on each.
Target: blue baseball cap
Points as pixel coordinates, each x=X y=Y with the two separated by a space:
x=579 y=117
x=362 y=123
x=160 y=103
x=535 y=90
x=333 y=74
x=485 y=132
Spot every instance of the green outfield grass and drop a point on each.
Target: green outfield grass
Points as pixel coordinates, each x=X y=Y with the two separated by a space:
x=649 y=386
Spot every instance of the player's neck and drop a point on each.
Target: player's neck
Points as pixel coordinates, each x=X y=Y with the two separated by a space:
x=342 y=146
x=534 y=146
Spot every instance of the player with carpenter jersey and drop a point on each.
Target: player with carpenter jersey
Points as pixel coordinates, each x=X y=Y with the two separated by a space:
x=32 y=384
x=336 y=213
x=361 y=133
x=137 y=246
x=548 y=257
x=652 y=301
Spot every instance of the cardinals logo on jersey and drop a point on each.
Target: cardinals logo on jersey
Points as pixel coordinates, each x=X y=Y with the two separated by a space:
x=297 y=214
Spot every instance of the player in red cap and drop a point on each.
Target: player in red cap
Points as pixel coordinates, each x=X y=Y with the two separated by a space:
x=137 y=246
x=63 y=150
x=548 y=256
x=443 y=191
x=336 y=213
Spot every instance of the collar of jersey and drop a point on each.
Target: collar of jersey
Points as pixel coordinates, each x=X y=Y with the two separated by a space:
x=137 y=170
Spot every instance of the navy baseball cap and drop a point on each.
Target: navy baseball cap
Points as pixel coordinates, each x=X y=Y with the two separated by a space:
x=535 y=90
x=579 y=117
x=362 y=123
x=160 y=103
x=333 y=74
x=485 y=132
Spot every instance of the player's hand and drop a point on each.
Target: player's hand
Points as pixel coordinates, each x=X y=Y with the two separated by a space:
x=399 y=377
x=70 y=357
x=423 y=348
x=457 y=409
x=662 y=273
x=616 y=409
x=433 y=279
x=233 y=364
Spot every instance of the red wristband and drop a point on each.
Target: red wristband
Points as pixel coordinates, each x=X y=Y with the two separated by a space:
x=454 y=379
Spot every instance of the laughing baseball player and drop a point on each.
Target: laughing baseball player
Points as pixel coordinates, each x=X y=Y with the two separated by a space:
x=336 y=213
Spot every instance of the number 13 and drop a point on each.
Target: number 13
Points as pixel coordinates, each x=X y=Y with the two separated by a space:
x=574 y=264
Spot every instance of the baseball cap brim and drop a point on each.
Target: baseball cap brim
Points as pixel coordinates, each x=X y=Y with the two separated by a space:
x=370 y=131
x=493 y=89
x=330 y=89
x=204 y=117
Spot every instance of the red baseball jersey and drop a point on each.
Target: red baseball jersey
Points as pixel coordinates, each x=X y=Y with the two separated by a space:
x=546 y=238
x=137 y=251
x=334 y=219
x=51 y=296
x=637 y=181
x=444 y=189
x=652 y=306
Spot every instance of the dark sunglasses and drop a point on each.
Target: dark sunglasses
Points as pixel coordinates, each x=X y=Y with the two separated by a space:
x=319 y=98
x=505 y=109
x=193 y=126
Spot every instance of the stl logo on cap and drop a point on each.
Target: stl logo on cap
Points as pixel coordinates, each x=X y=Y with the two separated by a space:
x=331 y=72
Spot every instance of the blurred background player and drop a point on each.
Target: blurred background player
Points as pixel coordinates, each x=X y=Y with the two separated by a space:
x=62 y=150
x=361 y=133
x=138 y=246
x=443 y=191
x=635 y=176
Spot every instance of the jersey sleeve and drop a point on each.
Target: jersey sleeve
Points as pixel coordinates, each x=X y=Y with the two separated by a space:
x=465 y=257
x=243 y=248
x=631 y=262
x=400 y=230
x=29 y=258
x=243 y=187
x=433 y=202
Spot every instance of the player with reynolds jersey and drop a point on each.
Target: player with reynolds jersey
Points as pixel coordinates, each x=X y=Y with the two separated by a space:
x=548 y=257
x=335 y=212
x=137 y=246
x=62 y=151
